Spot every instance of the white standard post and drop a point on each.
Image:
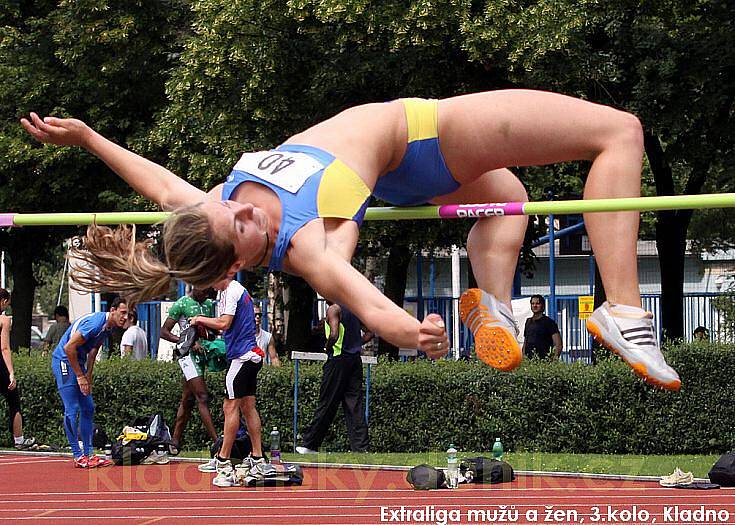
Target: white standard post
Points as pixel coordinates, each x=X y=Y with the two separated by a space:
x=97 y=302
x=2 y=270
x=455 y=301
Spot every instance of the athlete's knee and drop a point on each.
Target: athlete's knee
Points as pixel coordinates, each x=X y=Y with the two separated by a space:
x=248 y=404
x=230 y=406
x=187 y=401
x=623 y=130
x=516 y=191
x=202 y=398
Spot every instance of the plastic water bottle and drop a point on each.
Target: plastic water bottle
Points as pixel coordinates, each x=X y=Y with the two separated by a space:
x=452 y=468
x=498 y=449
x=275 y=446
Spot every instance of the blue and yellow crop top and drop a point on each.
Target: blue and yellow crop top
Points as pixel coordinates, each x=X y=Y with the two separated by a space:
x=309 y=182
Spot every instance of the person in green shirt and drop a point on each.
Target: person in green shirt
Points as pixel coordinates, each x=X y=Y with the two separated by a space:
x=204 y=354
x=56 y=330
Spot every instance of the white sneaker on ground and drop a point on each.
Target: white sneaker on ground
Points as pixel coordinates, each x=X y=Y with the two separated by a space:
x=677 y=478
x=629 y=332
x=225 y=479
x=493 y=327
x=304 y=450
x=156 y=458
x=209 y=466
x=225 y=474
x=26 y=443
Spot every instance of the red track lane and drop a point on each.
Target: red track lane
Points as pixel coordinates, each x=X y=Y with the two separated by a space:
x=48 y=490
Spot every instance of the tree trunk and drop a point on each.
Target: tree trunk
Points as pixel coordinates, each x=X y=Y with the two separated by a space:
x=275 y=301
x=671 y=243
x=671 y=232
x=399 y=257
x=300 y=308
x=24 y=286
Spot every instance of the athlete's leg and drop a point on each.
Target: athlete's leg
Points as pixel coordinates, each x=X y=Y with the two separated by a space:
x=494 y=243
x=86 y=422
x=201 y=394
x=517 y=127
x=70 y=396
x=254 y=425
x=492 y=130
x=186 y=404
x=493 y=246
x=231 y=409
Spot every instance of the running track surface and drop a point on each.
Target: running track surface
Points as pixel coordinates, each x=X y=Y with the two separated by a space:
x=48 y=490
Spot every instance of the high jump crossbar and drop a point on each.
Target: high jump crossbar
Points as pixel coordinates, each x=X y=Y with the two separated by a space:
x=388 y=213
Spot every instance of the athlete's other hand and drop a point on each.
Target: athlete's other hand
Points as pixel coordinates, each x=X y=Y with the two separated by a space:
x=433 y=340
x=60 y=131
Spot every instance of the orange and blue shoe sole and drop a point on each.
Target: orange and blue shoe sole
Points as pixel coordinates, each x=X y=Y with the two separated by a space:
x=495 y=345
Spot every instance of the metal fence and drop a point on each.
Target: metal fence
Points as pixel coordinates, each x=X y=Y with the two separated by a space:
x=699 y=310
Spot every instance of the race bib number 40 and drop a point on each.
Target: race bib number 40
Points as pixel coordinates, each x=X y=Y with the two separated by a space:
x=285 y=169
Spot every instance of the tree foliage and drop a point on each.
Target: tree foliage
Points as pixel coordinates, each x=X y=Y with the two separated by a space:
x=249 y=74
x=101 y=61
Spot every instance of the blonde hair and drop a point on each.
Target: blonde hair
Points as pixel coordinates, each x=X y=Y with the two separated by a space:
x=111 y=260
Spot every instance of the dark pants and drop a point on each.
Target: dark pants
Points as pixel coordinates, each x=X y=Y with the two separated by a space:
x=341 y=383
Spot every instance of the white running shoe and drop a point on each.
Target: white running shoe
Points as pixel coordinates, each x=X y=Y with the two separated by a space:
x=493 y=327
x=633 y=337
x=677 y=478
x=209 y=466
x=26 y=443
x=156 y=458
x=304 y=450
x=225 y=474
x=225 y=479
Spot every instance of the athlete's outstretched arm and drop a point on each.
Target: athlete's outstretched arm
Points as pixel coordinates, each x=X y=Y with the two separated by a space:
x=334 y=278
x=146 y=177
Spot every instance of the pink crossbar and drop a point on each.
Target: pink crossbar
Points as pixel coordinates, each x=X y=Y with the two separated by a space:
x=6 y=220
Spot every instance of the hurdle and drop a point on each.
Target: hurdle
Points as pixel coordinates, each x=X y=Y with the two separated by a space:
x=389 y=213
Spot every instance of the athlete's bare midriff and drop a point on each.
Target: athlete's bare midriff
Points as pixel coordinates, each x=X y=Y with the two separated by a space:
x=370 y=139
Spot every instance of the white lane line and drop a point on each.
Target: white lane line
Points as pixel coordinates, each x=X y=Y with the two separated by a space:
x=677 y=496
x=488 y=505
x=296 y=491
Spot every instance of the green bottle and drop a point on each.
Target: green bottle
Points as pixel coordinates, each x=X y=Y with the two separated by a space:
x=498 y=449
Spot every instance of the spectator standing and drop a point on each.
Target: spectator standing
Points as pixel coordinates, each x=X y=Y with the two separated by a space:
x=279 y=337
x=134 y=343
x=341 y=382
x=194 y=388
x=265 y=339
x=8 y=383
x=237 y=323
x=72 y=363
x=541 y=333
x=56 y=330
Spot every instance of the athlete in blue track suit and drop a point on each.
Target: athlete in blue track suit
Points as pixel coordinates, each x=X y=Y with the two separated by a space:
x=72 y=363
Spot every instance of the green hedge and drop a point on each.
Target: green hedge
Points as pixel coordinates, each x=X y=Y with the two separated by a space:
x=419 y=406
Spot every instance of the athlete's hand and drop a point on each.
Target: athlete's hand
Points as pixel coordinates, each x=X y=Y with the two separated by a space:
x=433 y=340
x=84 y=385
x=13 y=382
x=60 y=131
